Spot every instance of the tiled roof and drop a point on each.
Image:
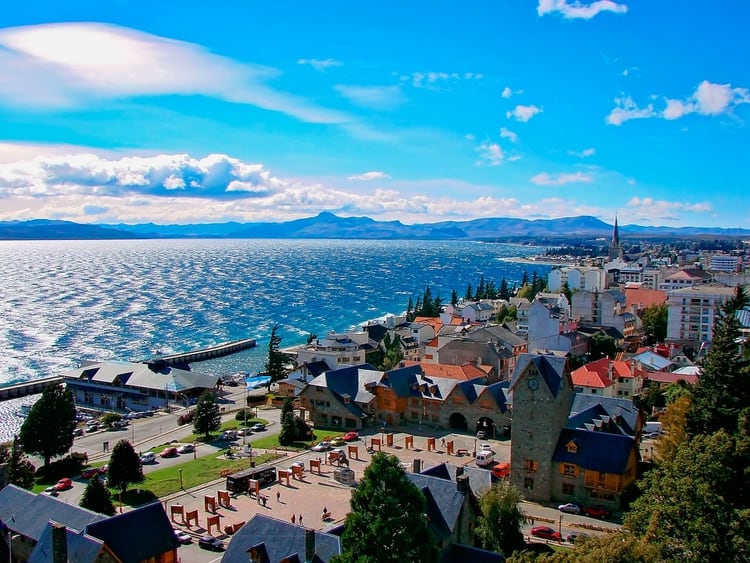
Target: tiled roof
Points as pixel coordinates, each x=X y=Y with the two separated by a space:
x=81 y=547
x=480 y=480
x=644 y=298
x=596 y=451
x=609 y=414
x=463 y=372
x=444 y=502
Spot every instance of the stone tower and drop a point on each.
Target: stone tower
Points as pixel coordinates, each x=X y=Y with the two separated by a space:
x=615 y=250
x=542 y=396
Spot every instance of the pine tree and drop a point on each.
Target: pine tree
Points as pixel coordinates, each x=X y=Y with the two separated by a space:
x=96 y=497
x=469 y=296
x=504 y=290
x=48 y=428
x=275 y=361
x=454 y=298
x=387 y=511
x=207 y=417
x=21 y=472
x=124 y=467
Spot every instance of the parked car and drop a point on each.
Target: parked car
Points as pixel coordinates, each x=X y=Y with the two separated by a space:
x=64 y=484
x=322 y=446
x=597 y=511
x=211 y=543
x=183 y=537
x=337 y=441
x=486 y=448
x=186 y=449
x=228 y=435
x=148 y=457
x=481 y=435
x=258 y=427
x=350 y=436
x=570 y=508
x=78 y=432
x=245 y=431
x=90 y=472
x=169 y=452
x=501 y=470
x=546 y=533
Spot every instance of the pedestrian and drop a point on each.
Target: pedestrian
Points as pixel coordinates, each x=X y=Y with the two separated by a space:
x=278 y=496
x=442 y=442
x=300 y=519
x=294 y=518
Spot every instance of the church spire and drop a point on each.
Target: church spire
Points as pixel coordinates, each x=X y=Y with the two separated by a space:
x=615 y=234
x=615 y=250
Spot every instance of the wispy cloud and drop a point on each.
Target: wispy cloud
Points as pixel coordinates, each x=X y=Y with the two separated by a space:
x=507 y=92
x=579 y=10
x=707 y=99
x=523 y=113
x=545 y=179
x=585 y=153
x=69 y=65
x=654 y=211
x=508 y=134
x=648 y=202
x=438 y=80
x=320 y=64
x=490 y=154
x=369 y=176
x=374 y=97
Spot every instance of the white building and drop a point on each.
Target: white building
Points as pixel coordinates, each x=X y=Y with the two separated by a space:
x=693 y=311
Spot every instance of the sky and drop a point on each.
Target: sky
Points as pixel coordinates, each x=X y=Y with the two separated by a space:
x=140 y=111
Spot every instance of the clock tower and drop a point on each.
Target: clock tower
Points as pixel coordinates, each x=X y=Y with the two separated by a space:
x=542 y=396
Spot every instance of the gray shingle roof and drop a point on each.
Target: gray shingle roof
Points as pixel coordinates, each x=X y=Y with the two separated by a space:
x=82 y=548
x=444 y=502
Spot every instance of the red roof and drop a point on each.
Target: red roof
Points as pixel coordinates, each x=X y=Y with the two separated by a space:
x=643 y=298
x=464 y=372
x=665 y=378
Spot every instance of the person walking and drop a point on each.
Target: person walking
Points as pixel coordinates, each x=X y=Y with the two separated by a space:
x=294 y=518
x=278 y=496
x=300 y=519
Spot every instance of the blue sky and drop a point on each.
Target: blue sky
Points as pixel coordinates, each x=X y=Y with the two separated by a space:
x=161 y=111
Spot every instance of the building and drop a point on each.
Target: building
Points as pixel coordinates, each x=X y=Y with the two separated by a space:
x=567 y=446
x=337 y=349
x=615 y=248
x=693 y=312
x=726 y=263
x=608 y=378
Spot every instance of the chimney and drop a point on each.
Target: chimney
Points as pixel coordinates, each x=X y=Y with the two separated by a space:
x=462 y=484
x=309 y=544
x=59 y=543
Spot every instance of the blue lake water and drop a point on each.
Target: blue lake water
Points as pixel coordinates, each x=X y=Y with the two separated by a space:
x=66 y=301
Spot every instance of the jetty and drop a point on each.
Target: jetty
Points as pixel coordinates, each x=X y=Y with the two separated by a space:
x=217 y=351
x=33 y=387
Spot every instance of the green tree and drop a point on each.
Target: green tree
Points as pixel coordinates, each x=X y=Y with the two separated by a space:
x=454 y=298
x=393 y=353
x=686 y=500
x=288 y=432
x=48 y=428
x=469 y=295
x=722 y=390
x=20 y=470
x=387 y=511
x=110 y=418
x=602 y=345
x=504 y=292
x=124 y=467
x=96 y=497
x=566 y=291
x=499 y=527
x=655 y=322
x=207 y=418
x=275 y=361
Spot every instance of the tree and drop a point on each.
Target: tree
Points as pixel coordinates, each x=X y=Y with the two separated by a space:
x=387 y=511
x=566 y=291
x=499 y=527
x=96 y=497
x=673 y=421
x=602 y=345
x=207 y=418
x=276 y=360
x=454 y=298
x=20 y=470
x=288 y=432
x=48 y=428
x=722 y=390
x=655 y=322
x=504 y=290
x=393 y=354
x=124 y=467
x=109 y=419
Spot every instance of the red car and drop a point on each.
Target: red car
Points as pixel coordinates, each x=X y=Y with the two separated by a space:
x=501 y=470
x=350 y=436
x=64 y=484
x=597 y=512
x=90 y=472
x=169 y=452
x=546 y=533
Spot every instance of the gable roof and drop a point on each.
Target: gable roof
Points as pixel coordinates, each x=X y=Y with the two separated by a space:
x=597 y=451
x=280 y=539
x=550 y=367
x=607 y=414
x=141 y=376
x=27 y=513
x=137 y=535
x=463 y=372
x=444 y=502
x=480 y=480
x=81 y=547
x=644 y=298
x=651 y=360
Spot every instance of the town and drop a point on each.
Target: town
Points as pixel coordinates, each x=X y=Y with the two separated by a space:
x=561 y=392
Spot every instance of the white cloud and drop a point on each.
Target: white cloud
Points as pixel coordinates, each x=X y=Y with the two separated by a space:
x=575 y=9
x=433 y=80
x=490 y=153
x=67 y=65
x=319 y=64
x=585 y=153
x=545 y=179
x=707 y=99
x=523 y=113
x=368 y=176
x=507 y=92
x=508 y=134
x=626 y=109
x=375 y=97
x=661 y=205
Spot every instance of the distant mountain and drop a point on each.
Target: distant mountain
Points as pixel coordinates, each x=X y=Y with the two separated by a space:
x=329 y=226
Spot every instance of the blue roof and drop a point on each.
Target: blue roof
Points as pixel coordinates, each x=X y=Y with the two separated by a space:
x=444 y=502
x=82 y=548
x=551 y=368
x=597 y=451
x=618 y=415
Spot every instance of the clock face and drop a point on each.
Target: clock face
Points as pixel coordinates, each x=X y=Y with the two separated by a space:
x=533 y=384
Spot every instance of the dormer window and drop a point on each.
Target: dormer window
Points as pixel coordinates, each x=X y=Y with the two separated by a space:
x=572 y=447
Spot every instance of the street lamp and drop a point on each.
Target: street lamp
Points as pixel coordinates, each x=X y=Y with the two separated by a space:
x=181 y=485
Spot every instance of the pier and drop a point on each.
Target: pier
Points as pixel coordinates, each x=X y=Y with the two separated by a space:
x=206 y=353
x=16 y=390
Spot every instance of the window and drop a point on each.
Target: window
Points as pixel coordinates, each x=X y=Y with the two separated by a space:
x=568 y=489
x=530 y=465
x=528 y=484
x=572 y=447
x=569 y=470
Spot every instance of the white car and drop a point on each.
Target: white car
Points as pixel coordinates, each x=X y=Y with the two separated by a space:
x=186 y=449
x=148 y=457
x=183 y=537
x=322 y=446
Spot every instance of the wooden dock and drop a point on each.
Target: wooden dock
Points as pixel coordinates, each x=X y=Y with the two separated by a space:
x=217 y=351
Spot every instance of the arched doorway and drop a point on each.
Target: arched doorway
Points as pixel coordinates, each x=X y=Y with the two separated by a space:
x=486 y=425
x=457 y=421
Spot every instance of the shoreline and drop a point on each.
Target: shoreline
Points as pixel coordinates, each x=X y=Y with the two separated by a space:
x=547 y=261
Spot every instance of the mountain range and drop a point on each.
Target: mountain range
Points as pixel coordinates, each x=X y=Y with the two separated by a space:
x=329 y=226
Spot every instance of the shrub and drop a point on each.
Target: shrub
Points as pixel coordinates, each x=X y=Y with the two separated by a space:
x=68 y=466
